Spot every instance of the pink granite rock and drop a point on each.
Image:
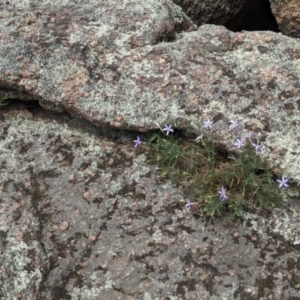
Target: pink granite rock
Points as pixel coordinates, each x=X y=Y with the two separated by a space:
x=84 y=216
x=132 y=67
x=287 y=14
x=82 y=213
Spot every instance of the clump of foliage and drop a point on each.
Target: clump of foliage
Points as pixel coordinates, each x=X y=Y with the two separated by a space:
x=217 y=181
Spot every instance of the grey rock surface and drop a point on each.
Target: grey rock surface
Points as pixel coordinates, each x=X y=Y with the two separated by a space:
x=133 y=66
x=287 y=15
x=82 y=213
x=84 y=216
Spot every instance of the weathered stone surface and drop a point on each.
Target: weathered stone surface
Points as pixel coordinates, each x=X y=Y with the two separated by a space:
x=219 y=12
x=83 y=216
x=287 y=15
x=108 y=64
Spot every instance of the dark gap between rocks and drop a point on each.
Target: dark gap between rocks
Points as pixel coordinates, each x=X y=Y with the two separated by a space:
x=258 y=17
x=28 y=104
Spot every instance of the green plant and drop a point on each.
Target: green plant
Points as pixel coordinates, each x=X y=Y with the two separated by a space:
x=218 y=180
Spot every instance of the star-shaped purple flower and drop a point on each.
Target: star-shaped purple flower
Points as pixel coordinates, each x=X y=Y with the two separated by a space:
x=137 y=141
x=208 y=124
x=188 y=204
x=240 y=143
x=168 y=129
x=283 y=182
x=259 y=149
x=234 y=124
x=222 y=193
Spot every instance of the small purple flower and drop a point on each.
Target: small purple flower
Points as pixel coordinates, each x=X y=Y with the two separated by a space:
x=208 y=124
x=199 y=137
x=259 y=149
x=222 y=193
x=283 y=182
x=137 y=141
x=168 y=129
x=234 y=124
x=298 y=182
x=249 y=134
x=240 y=143
x=188 y=204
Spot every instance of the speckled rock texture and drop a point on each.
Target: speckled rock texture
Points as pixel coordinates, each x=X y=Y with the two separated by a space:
x=131 y=65
x=84 y=216
x=82 y=213
x=287 y=14
x=218 y=12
